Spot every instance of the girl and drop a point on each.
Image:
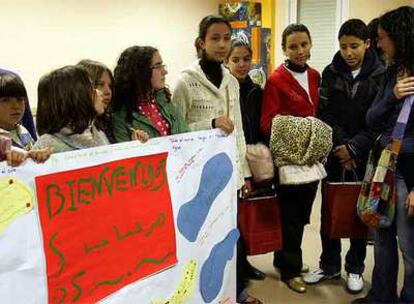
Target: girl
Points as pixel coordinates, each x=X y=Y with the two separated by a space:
x=103 y=81
x=208 y=97
x=142 y=107
x=396 y=39
x=67 y=107
x=17 y=143
x=292 y=89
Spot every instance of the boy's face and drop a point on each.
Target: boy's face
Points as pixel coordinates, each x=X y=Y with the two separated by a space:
x=353 y=50
x=12 y=111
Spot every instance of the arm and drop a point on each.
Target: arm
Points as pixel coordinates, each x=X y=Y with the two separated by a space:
x=270 y=106
x=119 y=127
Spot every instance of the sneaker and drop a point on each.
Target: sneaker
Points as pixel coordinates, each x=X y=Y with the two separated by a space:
x=319 y=275
x=354 y=283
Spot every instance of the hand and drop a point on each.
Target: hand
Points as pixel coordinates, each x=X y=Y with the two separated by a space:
x=140 y=135
x=15 y=157
x=342 y=153
x=349 y=165
x=224 y=123
x=247 y=188
x=40 y=155
x=404 y=87
x=410 y=203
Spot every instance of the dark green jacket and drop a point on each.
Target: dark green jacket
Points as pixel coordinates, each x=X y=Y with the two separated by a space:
x=122 y=128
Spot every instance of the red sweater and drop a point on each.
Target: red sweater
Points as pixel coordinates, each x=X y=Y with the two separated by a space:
x=284 y=95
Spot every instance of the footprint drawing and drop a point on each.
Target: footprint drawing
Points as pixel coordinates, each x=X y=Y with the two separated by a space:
x=212 y=272
x=16 y=199
x=186 y=287
x=214 y=178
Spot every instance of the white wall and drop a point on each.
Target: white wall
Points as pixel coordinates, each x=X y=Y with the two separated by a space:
x=37 y=36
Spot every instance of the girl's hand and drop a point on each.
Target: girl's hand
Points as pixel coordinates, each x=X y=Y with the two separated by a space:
x=342 y=153
x=40 y=155
x=224 y=123
x=140 y=135
x=410 y=203
x=404 y=87
x=16 y=157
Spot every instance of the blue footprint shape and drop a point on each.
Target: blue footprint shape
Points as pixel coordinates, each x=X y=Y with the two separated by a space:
x=214 y=178
x=212 y=272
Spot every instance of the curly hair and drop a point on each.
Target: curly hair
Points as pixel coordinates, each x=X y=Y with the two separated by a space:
x=399 y=25
x=65 y=99
x=132 y=77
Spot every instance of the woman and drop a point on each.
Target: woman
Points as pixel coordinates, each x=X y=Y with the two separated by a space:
x=67 y=107
x=142 y=106
x=102 y=80
x=239 y=62
x=208 y=97
x=292 y=89
x=396 y=39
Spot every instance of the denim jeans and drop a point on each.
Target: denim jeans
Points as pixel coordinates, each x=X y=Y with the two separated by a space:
x=384 y=277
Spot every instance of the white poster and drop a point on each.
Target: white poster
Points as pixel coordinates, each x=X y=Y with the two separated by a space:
x=126 y=223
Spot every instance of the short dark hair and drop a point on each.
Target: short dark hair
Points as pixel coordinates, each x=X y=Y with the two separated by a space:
x=208 y=21
x=399 y=25
x=293 y=28
x=354 y=27
x=95 y=70
x=65 y=99
x=239 y=43
x=132 y=76
x=11 y=85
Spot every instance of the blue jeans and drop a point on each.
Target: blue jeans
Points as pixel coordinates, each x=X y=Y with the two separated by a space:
x=384 y=276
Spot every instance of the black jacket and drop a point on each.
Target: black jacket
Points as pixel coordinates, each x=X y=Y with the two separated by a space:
x=344 y=102
x=251 y=104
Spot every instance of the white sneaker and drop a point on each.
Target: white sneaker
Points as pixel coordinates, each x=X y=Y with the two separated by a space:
x=319 y=275
x=354 y=283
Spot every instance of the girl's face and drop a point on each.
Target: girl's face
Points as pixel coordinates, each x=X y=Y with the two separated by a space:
x=217 y=42
x=105 y=86
x=297 y=48
x=98 y=102
x=12 y=111
x=240 y=62
x=159 y=70
x=386 y=44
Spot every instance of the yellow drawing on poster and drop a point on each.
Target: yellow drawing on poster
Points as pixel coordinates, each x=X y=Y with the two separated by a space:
x=16 y=199
x=186 y=287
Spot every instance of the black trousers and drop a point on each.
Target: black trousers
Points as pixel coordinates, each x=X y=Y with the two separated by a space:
x=330 y=260
x=295 y=208
x=242 y=266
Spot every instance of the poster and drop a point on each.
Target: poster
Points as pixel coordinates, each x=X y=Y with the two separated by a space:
x=125 y=223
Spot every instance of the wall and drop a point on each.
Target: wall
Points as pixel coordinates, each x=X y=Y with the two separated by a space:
x=38 y=36
x=367 y=10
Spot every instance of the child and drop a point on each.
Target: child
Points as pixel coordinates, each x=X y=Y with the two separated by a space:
x=67 y=107
x=349 y=85
x=17 y=142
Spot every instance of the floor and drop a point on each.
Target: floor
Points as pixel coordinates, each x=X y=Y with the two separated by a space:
x=273 y=291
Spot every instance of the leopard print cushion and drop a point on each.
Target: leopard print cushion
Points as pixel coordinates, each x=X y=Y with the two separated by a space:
x=299 y=141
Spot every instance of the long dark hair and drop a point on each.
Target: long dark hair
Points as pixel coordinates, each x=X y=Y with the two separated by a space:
x=65 y=99
x=11 y=85
x=399 y=25
x=133 y=77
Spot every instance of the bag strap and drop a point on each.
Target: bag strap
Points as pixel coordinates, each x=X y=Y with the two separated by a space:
x=355 y=175
x=401 y=124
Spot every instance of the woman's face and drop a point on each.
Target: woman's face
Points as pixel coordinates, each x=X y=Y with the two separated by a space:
x=298 y=46
x=386 y=44
x=104 y=85
x=217 y=42
x=159 y=70
x=240 y=62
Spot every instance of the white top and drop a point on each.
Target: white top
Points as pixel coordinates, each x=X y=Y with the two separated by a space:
x=302 y=79
x=356 y=73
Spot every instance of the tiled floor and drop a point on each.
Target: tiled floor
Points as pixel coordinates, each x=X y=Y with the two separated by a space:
x=273 y=291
